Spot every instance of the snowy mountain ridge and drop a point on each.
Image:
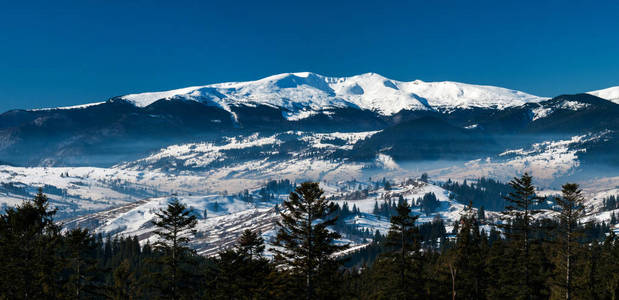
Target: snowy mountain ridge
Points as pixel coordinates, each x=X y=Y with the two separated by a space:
x=303 y=94
x=610 y=94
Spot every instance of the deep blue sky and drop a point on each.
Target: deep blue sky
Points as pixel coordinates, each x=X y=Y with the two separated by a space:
x=61 y=53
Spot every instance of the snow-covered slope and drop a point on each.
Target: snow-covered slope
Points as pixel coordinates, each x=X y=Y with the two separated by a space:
x=611 y=94
x=238 y=150
x=542 y=111
x=81 y=190
x=548 y=162
x=300 y=94
x=247 y=161
x=123 y=202
x=222 y=217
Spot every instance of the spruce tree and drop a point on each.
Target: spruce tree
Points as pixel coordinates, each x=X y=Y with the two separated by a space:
x=403 y=237
x=250 y=244
x=481 y=213
x=124 y=282
x=304 y=244
x=174 y=225
x=29 y=261
x=519 y=215
x=240 y=273
x=81 y=265
x=466 y=261
x=570 y=210
x=609 y=268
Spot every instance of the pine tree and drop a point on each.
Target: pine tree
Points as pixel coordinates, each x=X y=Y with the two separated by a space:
x=174 y=227
x=465 y=261
x=570 y=211
x=609 y=268
x=403 y=236
x=124 y=282
x=304 y=241
x=241 y=272
x=519 y=214
x=81 y=264
x=250 y=244
x=229 y=268
x=429 y=203
x=481 y=213
x=29 y=241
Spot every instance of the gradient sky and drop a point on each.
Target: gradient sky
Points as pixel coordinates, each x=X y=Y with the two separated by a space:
x=55 y=53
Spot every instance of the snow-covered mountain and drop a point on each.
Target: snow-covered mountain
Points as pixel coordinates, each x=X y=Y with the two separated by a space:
x=126 y=128
x=303 y=94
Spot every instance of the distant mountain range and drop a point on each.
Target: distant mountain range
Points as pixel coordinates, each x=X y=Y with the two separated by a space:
x=417 y=120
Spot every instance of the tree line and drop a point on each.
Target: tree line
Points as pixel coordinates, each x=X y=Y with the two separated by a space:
x=522 y=256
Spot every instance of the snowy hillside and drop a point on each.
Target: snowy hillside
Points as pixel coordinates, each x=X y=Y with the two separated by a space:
x=77 y=191
x=233 y=164
x=232 y=151
x=304 y=94
x=544 y=111
x=221 y=218
x=548 y=161
x=314 y=157
x=123 y=202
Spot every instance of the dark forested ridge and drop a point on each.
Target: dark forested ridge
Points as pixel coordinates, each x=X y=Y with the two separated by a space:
x=523 y=257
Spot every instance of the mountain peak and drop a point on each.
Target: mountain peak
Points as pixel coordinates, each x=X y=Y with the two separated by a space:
x=610 y=94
